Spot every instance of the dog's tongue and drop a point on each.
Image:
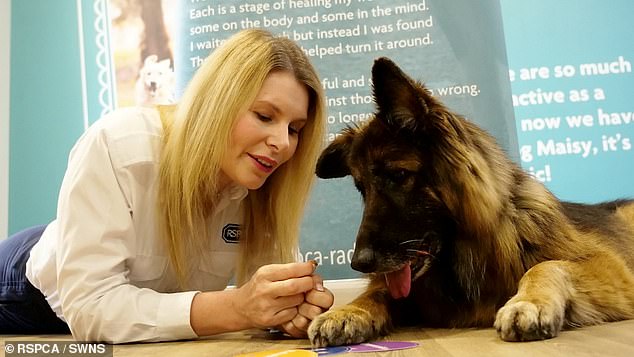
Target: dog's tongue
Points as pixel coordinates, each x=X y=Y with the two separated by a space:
x=399 y=282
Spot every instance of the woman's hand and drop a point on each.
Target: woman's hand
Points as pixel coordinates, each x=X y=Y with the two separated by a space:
x=275 y=294
x=316 y=301
x=285 y=295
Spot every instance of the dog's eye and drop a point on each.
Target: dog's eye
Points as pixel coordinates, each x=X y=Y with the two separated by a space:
x=397 y=176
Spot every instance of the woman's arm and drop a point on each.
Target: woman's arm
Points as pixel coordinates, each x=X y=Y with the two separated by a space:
x=100 y=213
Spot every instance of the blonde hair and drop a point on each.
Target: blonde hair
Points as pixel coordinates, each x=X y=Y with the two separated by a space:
x=197 y=135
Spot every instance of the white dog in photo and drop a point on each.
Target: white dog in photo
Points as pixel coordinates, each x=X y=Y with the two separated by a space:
x=155 y=84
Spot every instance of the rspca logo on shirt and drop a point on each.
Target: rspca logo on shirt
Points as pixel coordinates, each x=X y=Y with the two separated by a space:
x=231 y=233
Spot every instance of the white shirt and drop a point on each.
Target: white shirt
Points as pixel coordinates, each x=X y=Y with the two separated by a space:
x=101 y=263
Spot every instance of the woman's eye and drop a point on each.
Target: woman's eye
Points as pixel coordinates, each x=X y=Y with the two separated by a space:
x=294 y=130
x=296 y=126
x=263 y=117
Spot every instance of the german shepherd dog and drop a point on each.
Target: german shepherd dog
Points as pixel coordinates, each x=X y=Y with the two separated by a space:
x=455 y=234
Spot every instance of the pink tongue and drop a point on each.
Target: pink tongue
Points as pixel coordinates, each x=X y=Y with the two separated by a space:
x=399 y=282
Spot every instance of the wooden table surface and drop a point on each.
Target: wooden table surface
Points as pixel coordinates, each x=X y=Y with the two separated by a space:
x=612 y=339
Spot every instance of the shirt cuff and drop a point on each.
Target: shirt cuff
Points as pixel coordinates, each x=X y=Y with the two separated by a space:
x=174 y=316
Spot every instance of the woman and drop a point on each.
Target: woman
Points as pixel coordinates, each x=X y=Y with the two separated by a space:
x=159 y=208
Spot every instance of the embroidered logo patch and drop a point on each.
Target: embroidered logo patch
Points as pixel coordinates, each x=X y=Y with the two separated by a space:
x=231 y=233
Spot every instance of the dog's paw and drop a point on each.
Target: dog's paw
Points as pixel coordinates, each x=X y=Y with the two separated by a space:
x=344 y=326
x=526 y=321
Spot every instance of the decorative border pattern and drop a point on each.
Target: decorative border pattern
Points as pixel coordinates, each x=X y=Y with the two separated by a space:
x=103 y=58
x=104 y=75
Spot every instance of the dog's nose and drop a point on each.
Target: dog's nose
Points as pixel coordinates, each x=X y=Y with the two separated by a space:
x=363 y=260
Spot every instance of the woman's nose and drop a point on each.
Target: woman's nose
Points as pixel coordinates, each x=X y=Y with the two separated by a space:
x=279 y=137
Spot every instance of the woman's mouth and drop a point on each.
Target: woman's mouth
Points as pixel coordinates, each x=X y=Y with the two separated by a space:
x=264 y=163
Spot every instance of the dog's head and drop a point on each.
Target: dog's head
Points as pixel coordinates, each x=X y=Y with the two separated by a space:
x=155 y=74
x=414 y=164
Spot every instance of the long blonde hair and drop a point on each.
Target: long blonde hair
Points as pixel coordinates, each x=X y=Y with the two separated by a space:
x=197 y=135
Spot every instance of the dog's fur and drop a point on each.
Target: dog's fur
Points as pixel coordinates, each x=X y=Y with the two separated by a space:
x=155 y=84
x=480 y=241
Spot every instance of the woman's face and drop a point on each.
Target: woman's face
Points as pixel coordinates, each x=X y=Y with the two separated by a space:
x=266 y=135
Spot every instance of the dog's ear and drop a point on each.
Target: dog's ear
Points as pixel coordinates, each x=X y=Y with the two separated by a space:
x=407 y=107
x=166 y=63
x=333 y=162
x=151 y=59
x=396 y=95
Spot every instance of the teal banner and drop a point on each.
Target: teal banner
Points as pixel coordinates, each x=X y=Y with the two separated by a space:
x=573 y=85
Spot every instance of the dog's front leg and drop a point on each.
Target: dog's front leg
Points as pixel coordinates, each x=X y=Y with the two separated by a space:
x=538 y=309
x=556 y=293
x=364 y=319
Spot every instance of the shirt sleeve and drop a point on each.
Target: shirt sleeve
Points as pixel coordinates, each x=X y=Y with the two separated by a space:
x=96 y=239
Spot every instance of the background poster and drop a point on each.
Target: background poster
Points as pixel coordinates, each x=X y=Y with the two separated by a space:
x=67 y=70
x=456 y=47
x=142 y=33
x=434 y=41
